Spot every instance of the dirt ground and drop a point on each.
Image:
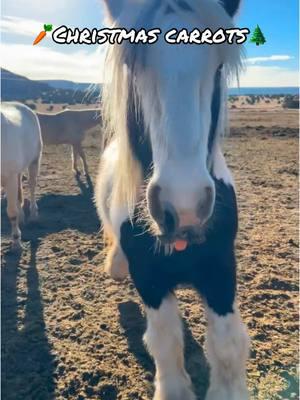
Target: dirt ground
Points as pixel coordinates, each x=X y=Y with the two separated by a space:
x=70 y=332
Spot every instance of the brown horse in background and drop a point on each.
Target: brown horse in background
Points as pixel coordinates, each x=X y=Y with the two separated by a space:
x=69 y=127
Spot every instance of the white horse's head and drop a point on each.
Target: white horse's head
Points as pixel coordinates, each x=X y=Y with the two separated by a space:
x=171 y=90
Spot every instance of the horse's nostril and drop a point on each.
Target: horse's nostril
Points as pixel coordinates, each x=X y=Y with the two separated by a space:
x=170 y=222
x=204 y=207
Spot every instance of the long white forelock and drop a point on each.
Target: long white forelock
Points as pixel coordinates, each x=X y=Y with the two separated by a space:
x=119 y=80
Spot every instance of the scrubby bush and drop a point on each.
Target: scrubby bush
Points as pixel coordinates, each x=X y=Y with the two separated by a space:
x=32 y=106
x=251 y=99
x=291 y=102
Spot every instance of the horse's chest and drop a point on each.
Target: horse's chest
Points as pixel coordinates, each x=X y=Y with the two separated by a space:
x=194 y=263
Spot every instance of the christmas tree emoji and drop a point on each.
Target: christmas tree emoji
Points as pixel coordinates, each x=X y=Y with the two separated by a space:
x=258 y=36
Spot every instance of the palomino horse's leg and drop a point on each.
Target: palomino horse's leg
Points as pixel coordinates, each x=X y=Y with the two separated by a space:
x=82 y=156
x=75 y=159
x=227 y=347
x=20 y=199
x=13 y=210
x=164 y=339
x=33 y=171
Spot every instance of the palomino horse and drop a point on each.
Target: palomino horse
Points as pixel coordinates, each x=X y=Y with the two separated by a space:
x=21 y=148
x=164 y=193
x=69 y=127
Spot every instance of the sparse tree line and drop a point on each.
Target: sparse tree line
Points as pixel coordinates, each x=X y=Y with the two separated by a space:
x=64 y=96
x=287 y=101
x=70 y=97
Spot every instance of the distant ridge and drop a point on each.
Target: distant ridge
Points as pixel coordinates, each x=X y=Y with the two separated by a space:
x=64 y=84
x=17 y=87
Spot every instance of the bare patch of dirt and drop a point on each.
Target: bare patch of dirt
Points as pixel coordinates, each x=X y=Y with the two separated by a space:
x=70 y=332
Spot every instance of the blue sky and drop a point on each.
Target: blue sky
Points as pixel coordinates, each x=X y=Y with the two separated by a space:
x=273 y=64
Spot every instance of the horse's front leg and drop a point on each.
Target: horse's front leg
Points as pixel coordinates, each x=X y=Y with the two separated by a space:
x=227 y=342
x=75 y=156
x=164 y=339
x=227 y=347
x=83 y=158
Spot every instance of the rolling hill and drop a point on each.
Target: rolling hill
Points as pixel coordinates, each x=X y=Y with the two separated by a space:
x=17 y=87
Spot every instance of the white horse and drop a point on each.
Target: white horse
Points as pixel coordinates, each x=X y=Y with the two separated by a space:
x=21 y=148
x=69 y=127
x=164 y=107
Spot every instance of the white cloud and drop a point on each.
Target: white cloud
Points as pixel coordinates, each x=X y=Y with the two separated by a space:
x=20 y=26
x=255 y=60
x=268 y=76
x=38 y=62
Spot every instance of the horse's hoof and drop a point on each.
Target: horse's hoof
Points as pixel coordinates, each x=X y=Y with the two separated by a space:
x=179 y=390
x=227 y=393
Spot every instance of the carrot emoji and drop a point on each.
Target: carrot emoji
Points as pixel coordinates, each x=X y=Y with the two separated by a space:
x=42 y=34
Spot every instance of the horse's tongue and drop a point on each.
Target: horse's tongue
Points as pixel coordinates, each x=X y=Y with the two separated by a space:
x=180 y=245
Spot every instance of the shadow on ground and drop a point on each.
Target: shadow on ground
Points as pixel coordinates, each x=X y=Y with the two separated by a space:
x=26 y=353
x=58 y=212
x=27 y=363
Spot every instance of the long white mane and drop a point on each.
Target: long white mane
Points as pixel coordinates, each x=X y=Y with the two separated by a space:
x=127 y=75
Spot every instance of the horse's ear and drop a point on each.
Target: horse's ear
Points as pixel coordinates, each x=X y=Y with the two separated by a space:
x=231 y=6
x=114 y=8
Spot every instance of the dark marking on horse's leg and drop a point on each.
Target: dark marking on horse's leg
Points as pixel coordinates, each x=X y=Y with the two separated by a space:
x=20 y=198
x=20 y=190
x=227 y=340
x=218 y=285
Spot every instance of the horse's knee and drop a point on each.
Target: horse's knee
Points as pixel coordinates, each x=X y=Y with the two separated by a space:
x=227 y=340
x=15 y=231
x=13 y=211
x=116 y=264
